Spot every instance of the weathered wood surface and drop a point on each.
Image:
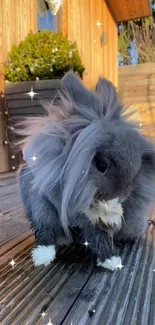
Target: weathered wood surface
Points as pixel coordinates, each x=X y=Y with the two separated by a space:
x=12 y=219
x=72 y=290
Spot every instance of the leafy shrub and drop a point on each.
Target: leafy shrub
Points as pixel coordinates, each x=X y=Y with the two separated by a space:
x=45 y=55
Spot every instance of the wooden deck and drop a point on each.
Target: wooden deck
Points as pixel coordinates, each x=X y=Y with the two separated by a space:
x=72 y=290
x=12 y=220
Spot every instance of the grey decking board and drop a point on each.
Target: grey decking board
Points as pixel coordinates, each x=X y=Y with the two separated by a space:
x=116 y=296
x=119 y=304
x=12 y=219
x=125 y=297
x=43 y=286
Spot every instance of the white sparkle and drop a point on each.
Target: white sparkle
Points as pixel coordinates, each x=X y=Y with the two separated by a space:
x=43 y=314
x=98 y=24
x=154 y=270
x=12 y=263
x=119 y=266
x=31 y=93
x=50 y=323
x=34 y=158
x=94 y=40
x=86 y=243
x=140 y=124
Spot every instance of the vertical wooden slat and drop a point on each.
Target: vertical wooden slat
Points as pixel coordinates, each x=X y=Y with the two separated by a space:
x=111 y=50
x=106 y=47
x=17 y=18
x=78 y=22
x=85 y=42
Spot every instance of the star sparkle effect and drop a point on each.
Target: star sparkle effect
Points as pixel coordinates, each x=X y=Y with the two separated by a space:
x=86 y=243
x=34 y=158
x=120 y=266
x=12 y=263
x=31 y=93
x=43 y=314
x=140 y=124
x=98 y=24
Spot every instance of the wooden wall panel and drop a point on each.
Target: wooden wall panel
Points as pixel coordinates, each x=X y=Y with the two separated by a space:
x=78 y=22
x=110 y=50
x=17 y=19
x=137 y=89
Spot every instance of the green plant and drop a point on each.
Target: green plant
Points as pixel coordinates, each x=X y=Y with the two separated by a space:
x=45 y=55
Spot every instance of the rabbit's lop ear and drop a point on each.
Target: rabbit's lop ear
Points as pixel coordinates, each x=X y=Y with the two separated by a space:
x=106 y=91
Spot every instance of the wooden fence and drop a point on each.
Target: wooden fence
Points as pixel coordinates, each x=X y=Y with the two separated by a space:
x=137 y=90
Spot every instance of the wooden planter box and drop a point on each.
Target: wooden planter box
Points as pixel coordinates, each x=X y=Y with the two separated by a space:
x=20 y=105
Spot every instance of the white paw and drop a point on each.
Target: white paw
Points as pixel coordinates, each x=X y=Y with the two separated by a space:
x=43 y=254
x=112 y=263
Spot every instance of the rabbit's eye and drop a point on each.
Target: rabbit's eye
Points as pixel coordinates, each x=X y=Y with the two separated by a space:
x=148 y=159
x=101 y=166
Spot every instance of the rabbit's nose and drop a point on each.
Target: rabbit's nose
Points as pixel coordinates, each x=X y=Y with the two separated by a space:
x=125 y=193
x=101 y=196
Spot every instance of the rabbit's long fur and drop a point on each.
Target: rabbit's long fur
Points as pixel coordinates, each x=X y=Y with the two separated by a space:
x=88 y=155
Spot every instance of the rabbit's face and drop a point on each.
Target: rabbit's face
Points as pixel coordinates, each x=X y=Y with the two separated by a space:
x=117 y=165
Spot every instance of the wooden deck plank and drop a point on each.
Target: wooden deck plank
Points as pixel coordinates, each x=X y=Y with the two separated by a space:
x=37 y=288
x=63 y=302
x=7 y=190
x=71 y=288
x=11 y=244
x=12 y=225
x=13 y=251
x=12 y=219
x=113 y=297
x=7 y=175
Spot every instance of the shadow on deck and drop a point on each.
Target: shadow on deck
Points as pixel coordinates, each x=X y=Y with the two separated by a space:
x=72 y=290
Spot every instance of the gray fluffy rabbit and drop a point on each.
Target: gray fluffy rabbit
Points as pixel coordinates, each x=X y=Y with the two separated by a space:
x=94 y=172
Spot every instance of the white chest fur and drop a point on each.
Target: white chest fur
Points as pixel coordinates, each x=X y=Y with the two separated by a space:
x=110 y=213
